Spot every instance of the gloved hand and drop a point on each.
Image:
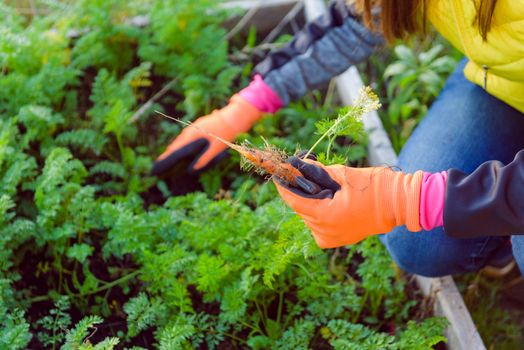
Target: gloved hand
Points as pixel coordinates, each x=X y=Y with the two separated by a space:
x=204 y=150
x=354 y=202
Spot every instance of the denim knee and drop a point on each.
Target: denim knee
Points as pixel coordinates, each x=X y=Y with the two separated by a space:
x=408 y=253
x=435 y=254
x=517 y=243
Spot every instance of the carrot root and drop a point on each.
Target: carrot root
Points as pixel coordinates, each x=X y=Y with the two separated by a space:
x=264 y=161
x=269 y=161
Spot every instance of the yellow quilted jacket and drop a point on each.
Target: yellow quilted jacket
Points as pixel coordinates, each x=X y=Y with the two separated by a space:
x=496 y=64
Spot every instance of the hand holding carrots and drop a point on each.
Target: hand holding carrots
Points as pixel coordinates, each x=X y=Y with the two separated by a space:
x=353 y=203
x=197 y=144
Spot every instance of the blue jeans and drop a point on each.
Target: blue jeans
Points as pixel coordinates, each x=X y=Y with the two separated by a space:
x=464 y=127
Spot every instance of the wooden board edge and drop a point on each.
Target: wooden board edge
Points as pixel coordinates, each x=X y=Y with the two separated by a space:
x=271 y=12
x=249 y=4
x=448 y=302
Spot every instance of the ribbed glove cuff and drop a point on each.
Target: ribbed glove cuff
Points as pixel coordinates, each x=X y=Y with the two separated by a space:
x=402 y=206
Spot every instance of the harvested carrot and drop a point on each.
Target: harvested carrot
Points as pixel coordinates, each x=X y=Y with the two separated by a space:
x=270 y=161
x=264 y=161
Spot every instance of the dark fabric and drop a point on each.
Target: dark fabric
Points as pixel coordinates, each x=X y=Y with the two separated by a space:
x=488 y=202
x=325 y=48
x=316 y=183
x=314 y=30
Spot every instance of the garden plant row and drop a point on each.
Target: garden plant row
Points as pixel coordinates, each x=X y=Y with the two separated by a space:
x=98 y=254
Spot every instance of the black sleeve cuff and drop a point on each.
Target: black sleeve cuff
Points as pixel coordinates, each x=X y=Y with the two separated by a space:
x=488 y=202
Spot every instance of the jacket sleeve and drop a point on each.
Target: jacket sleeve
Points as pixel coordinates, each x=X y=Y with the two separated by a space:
x=325 y=48
x=488 y=202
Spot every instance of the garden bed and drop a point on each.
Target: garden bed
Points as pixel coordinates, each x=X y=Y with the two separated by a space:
x=88 y=231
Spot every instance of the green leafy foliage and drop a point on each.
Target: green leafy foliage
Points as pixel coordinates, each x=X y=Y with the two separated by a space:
x=412 y=82
x=59 y=181
x=14 y=329
x=174 y=52
x=108 y=40
x=142 y=313
x=347 y=123
x=55 y=323
x=345 y=335
x=84 y=139
x=424 y=335
x=80 y=226
x=78 y=337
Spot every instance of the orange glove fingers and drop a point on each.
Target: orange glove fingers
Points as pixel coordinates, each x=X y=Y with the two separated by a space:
x=368 y=201
x=227 y=123
x=236 y=118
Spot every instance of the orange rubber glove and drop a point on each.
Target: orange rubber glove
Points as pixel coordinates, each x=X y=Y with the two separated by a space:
x=353 y=203
x=204 y=150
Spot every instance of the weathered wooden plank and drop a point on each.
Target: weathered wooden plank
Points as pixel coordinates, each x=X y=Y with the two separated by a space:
x=267 y=13
x=461 y=333
x=448 y=302
x=248 y=4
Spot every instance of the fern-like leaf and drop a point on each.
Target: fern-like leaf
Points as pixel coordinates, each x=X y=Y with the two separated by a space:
x=39 y=121
x=22 y=168
x=114 y=169
x=106 y=344
x=60 y=178
x=14 y=330
x=6 y=203
x=84 y=139
x=76 y=336
x=141 y=313
x=176 y=336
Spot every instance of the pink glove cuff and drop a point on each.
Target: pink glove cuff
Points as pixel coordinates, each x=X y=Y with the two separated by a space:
x=432 y=195
x=261 y=96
